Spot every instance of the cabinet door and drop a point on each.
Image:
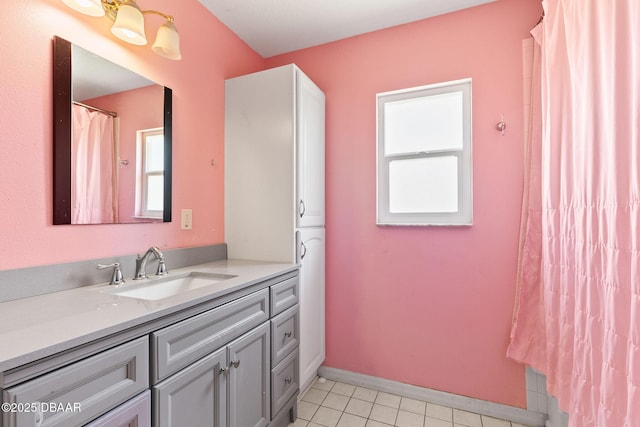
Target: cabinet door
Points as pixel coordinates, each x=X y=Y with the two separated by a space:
x=311 y=310
x=310 y=152
x=195 y=396
x=249 y=379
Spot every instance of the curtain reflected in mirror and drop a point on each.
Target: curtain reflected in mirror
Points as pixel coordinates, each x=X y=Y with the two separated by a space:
x=112 y=142
x=94 y=177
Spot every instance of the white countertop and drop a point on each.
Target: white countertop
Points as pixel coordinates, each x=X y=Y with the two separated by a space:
x=37 y=327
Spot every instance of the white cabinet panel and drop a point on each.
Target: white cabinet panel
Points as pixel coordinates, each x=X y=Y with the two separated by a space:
x=312 y=303
x=310 y=154
x=259 y=174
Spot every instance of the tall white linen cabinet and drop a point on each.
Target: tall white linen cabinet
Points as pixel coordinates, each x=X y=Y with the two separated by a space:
x=274 y=188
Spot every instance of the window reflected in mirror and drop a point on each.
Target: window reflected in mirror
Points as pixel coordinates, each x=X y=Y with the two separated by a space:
x=150 y=166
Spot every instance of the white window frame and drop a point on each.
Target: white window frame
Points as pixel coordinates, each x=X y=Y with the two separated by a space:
x=141 y=201
x=464 y=215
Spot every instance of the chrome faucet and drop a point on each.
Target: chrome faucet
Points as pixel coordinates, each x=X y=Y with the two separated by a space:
x=141 y=264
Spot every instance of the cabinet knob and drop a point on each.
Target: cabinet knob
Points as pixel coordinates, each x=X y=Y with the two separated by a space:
x=39 y=416
x=288 y=334
x=224 y=369
x=234 y=363
x=288 y=380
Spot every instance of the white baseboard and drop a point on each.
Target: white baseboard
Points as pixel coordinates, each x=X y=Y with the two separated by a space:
x=483 y=407
x=557 y=418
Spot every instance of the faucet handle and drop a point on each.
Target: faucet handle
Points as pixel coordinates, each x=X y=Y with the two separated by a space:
x=116 y=277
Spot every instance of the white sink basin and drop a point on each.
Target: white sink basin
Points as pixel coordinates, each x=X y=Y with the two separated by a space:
x=170 y=286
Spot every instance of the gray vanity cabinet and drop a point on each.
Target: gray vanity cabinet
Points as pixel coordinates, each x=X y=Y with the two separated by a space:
x=197 y=395
x=202 y=360
x=231 y=362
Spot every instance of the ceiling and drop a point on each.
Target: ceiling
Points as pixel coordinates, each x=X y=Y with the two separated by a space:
x=95 y=76
x=272 y=27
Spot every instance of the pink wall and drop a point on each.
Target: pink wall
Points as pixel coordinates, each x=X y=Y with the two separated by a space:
x=137 y=109
x=210 y=53
x=425 y=306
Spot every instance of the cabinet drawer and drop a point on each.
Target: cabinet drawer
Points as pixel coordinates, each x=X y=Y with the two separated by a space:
x=179 y=345
x=284 y=334
x=284 y=382
x=134 y=413
x=284 y=295
x=80 y=392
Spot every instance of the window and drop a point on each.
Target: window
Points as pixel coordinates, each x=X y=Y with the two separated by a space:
x=424 y=155
x=150 y=190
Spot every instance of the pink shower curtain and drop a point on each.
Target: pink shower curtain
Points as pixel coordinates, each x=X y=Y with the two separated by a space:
x=527 y=337
x=579 y=320
x=92 y=155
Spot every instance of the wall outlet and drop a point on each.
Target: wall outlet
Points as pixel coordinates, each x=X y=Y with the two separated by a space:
x=186 y=220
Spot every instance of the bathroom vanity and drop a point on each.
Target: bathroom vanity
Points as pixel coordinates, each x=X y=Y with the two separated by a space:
x=221 y=354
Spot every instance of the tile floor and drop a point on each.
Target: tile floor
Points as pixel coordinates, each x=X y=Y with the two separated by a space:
x=336 y=404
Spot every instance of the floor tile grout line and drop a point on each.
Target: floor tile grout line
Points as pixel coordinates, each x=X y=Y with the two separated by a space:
x=345 y=386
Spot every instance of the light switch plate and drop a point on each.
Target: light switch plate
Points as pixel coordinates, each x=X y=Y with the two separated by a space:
x=186 y=220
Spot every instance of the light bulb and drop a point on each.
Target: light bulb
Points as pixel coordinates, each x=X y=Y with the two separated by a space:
x=87 y=7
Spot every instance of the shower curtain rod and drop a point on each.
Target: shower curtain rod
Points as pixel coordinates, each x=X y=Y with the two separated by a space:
x=91 y=107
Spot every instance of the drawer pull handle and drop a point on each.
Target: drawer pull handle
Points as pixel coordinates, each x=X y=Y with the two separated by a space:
x=235 y=363
x=288 y=380
x=303 y=208
x=288 y=334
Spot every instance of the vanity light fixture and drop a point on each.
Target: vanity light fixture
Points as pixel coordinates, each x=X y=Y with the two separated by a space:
x=129 y=24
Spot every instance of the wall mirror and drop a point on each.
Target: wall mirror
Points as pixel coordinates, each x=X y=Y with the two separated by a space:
x=111 y=141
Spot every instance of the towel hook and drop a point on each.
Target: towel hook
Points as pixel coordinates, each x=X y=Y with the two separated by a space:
x=502 y=125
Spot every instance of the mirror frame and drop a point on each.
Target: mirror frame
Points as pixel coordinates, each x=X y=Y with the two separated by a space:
x=62 y=100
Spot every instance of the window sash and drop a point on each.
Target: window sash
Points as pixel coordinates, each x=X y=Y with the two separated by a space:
x=145 y=195
x=458 y=154
x=145 y=174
